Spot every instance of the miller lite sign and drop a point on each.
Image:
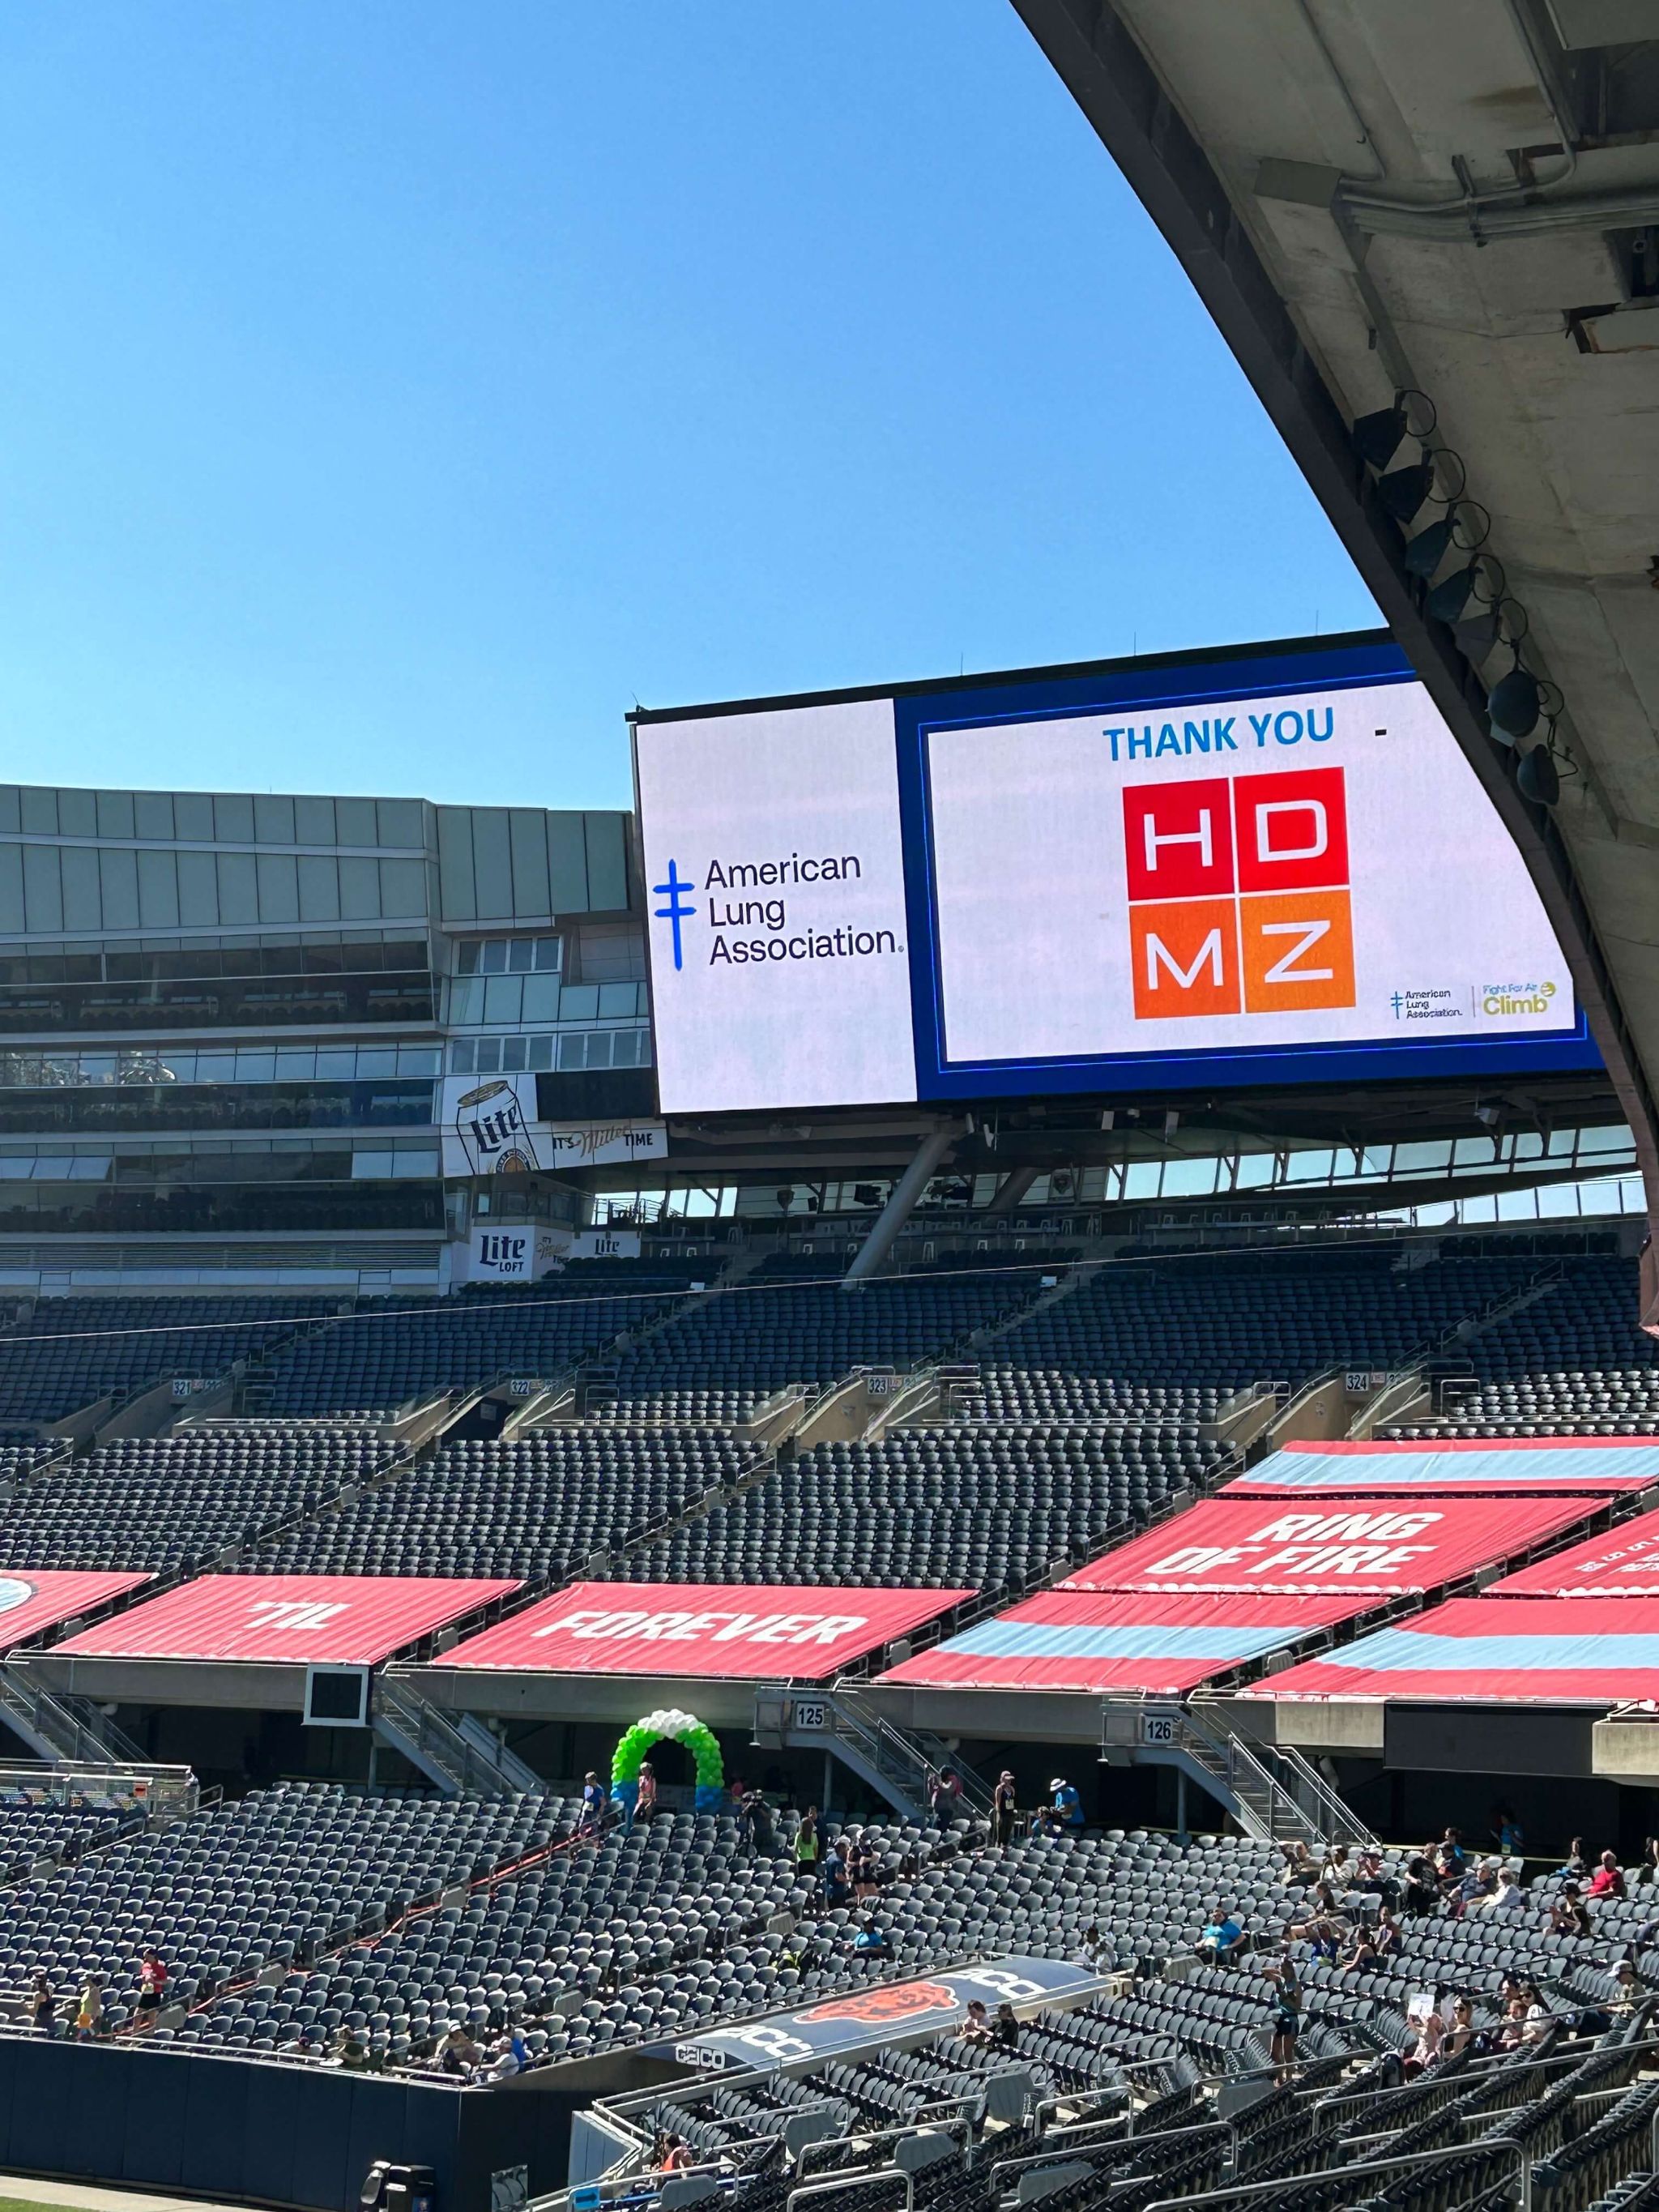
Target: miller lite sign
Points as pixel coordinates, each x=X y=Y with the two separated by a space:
x=493 y=1129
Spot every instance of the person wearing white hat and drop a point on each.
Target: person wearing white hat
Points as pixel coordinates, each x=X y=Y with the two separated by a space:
x=1065 y=1805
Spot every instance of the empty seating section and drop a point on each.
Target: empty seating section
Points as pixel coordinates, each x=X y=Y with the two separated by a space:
x=536 y=1509
x=173 y=1505
x=269 y=1880
x=720 y=1358
x=390 y=1351
x=1137 y=1341
x=1572 y=1361
x=70 y=1352
x=38 y=1824
x=951 y=1508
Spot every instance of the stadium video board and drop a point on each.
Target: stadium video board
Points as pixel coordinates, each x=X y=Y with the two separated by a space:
x=1264 y=866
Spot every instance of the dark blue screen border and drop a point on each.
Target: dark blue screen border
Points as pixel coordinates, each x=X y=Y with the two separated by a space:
x=1250 y=676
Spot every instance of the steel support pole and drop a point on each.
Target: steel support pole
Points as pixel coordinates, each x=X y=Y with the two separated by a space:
x=902 y=1203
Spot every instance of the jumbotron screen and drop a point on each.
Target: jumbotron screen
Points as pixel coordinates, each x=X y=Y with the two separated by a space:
x=1262 y=866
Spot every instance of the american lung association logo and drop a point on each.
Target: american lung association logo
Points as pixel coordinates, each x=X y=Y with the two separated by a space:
x=679 y=907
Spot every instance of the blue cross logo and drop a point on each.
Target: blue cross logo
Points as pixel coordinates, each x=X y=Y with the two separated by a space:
x=675 y=912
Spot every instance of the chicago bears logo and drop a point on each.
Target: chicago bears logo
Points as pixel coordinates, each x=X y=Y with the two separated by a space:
x=888 y=2001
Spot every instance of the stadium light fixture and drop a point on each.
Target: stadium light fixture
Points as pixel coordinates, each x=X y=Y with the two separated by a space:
x=1424 y=552
x=1402 y=491
x=1515 y=702
x=1447 y=601
x=1537 y=777
x=1376 y=436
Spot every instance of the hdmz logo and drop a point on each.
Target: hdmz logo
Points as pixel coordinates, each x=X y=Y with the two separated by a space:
x=886 y=2000
x=675 y=912
x=1238 y=895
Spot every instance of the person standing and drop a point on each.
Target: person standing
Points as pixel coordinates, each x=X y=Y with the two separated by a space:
x=152 y=1991
x=945 y=1797
x=42 y=2006
x=89 y=2014
x=807 y=1844
x=645 y=1797
x=1004 y=1810
x=1287 y=2013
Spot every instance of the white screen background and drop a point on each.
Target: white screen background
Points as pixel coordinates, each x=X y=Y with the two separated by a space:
x=1030 y=887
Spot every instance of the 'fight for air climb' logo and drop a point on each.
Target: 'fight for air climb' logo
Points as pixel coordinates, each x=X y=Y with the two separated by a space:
x=1238 y=895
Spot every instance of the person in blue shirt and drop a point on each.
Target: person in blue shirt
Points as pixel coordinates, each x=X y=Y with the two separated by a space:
x=1221 y=1938
x=871 y=1944
x=1068 y=1806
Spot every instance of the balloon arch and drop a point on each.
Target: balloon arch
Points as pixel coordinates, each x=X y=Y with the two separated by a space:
x=683 y=1727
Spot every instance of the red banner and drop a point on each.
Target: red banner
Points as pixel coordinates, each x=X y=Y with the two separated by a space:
x=36 y=1599
x=1495 y=1651
x=748 y=1633
x=343 y=1620
x=1623 y=1563
x=1313 y=1544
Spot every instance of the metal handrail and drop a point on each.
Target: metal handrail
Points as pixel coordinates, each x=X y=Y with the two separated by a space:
x=1239 y=2191
x=845 y=2181
x=1057 y=2156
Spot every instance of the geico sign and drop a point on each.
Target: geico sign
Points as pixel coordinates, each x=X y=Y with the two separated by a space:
x=599 y=1627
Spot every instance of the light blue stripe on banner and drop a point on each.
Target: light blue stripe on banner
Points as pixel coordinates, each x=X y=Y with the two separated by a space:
x=1040 y=1639
x=1518 y=1469
x=1407 y=1651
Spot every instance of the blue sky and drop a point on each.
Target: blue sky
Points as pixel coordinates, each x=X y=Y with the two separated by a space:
x=394 y=392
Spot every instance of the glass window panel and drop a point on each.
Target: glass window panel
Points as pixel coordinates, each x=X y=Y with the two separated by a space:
x=460 y=1056
x=425 y=1163
x=1558 y=1202
x=549 y=954
x=1310 y=1167
x=518 y=956
x=513 y=1049
x=419 y=1059
x=580 y=1002
x=373 y=1061
x=99 y=1066
x=296 y=1063
x=336 y=1064
x=466 y=957
x=1424 y=1157
x=1595 y=1142
x=541 y=999
x=490 y=1055
x=255 y=1064
x=503 y=998
x=377 y=1164
x=492 y=957
x=232 y=818
x=617 y=998
x=313 y=821
x=541 y=1052
x=573 y=1052
x=354 y=820
x=1255 y=1171
x=214 y=1067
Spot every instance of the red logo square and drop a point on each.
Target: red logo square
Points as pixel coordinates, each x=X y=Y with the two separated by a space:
x=1178 y=839
x=1293 y=830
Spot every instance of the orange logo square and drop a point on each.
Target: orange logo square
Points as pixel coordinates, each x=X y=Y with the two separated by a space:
x=1184 y=957
x=1298 y=950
